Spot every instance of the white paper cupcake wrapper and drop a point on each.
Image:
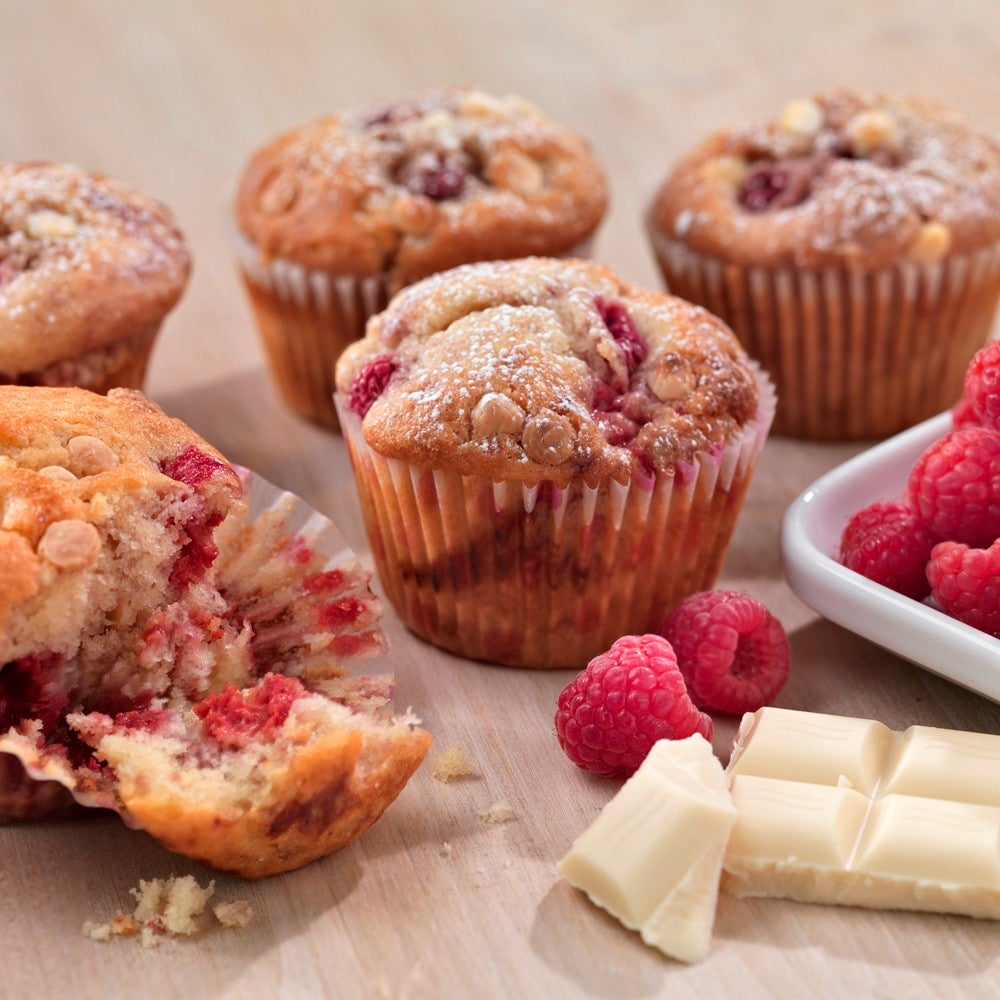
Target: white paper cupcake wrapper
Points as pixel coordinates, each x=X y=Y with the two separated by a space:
x=44 y=795
x=532 y=575
x=853 y=355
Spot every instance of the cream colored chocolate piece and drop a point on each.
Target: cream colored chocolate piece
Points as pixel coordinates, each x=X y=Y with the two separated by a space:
x=652 y=858
x=845 y=811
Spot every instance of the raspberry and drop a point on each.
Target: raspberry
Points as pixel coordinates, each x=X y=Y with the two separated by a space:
x=964 y=415
x=982 y=385
x=775 y=185
x=955 y=486
x=611 y=713
x=369 y=383
x=965 y=582
x=622 y=327
x=438 y=176
x=888 y=543
x=732 y=651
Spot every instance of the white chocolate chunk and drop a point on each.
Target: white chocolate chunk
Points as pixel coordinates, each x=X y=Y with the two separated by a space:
x=921 y=831
x=653 y=856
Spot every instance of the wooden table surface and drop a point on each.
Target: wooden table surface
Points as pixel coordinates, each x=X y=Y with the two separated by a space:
x=173 y=96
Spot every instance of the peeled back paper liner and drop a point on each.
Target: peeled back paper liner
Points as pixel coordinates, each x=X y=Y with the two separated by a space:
x=853 y=354
x=308 y=317
x=532 y=575
x=34 y=785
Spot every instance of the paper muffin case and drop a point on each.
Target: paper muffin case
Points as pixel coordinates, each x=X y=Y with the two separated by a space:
x=33 y=787
x=306 y=318
x=852 y=355
x=531 y=575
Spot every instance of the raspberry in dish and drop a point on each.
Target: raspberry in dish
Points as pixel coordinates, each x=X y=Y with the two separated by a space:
x=965 y=582
x=853 y=244
x=889 y=542
x=610 y=714
x=163 y=656
x=336 y=216
x=89 y=268
x=982 y=388
x=732 y=652
x=547 y=456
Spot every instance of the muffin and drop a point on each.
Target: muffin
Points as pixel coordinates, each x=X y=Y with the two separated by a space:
x=853 y=245
x=337 y=216
x=89 y=268
x=547 y=457
x=168 y=658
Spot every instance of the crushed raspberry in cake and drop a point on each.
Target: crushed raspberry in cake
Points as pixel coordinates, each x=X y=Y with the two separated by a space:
x=144 y=720
x=198 y=552
x=28 y=691
x=732 y=652
x=965 y=582
x=370 y=382
x=622 y=327
x=955 y=486
x=773 y=186
x=236 y=718
x=346 y=611
x=888 y=543
x=436 y=175
x=193 y=466
x=626 y=699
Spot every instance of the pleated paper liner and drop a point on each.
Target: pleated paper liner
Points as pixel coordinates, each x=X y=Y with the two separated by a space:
x=307 y=318
x=278 y=528
x=853 y=355
x=531 y=575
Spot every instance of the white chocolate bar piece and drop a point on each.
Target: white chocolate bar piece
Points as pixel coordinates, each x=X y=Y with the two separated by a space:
x=653 y=857
x=849 y=812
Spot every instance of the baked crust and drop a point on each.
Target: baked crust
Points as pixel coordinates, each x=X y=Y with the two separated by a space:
x=886 y=179
x=345 y=194
x=85 y=261
x=543 y=369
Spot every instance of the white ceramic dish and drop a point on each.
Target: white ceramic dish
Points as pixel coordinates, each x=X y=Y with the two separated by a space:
x=810 y=537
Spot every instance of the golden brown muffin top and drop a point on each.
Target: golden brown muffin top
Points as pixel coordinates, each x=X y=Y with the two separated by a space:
x=844 y=178
x=541 y=369
x=66 y=455
x=84 y=261
x=421 y=185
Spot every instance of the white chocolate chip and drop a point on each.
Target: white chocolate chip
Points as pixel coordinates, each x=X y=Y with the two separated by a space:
x=671 y=378
x=548 y=438
x=412 y=214
x=46 y=224
x=727 y=169
x=90 y=455
x=873 y=130
x=496 y=413
x=801 y=118
x=70 y=544
x=518 y=173
x=476 y=104
x=56 y=472
x=932 y=243
x=279 y=195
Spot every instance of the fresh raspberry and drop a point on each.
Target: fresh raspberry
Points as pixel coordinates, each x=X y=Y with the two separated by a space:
x=955 y=486
x=888 y=543
x=964 y=415
x=611 y=713
x=982 y=385
x=772 y=186
x=965 y=582
x=622 y=327
x=732 y=651
x=370 y=381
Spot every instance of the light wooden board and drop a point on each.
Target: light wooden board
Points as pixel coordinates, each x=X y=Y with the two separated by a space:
x=173 y=96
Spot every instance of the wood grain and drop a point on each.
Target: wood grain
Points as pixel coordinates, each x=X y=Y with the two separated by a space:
x=173 y=97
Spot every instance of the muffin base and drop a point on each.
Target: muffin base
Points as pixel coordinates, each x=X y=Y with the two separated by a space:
x=531 y=575
x=853 y=355
x=306 y=318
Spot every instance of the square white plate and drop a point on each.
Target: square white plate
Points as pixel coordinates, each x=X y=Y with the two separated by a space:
x=810 y=539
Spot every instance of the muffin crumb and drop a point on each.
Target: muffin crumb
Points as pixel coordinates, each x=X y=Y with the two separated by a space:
x=451 y=763
x=499 y=812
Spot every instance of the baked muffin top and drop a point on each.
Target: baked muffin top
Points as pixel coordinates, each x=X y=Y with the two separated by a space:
x=541 y=369
x=84 y=261
x=844 y=178
x=420 y=185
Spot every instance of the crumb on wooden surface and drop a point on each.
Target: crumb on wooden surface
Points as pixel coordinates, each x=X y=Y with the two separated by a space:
x=445 y=851
x=450 y=763
x=235 y=914
x=499 y=812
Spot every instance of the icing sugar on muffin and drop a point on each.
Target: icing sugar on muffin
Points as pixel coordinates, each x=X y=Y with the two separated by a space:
x=168 y=659
x=547 y=457
x=853 y=244
x=336 y=216
x=89 y=268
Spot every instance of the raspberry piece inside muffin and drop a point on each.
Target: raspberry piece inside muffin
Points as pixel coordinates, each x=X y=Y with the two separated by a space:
x=370 y=383
x=773 y=186
x=235 y=719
